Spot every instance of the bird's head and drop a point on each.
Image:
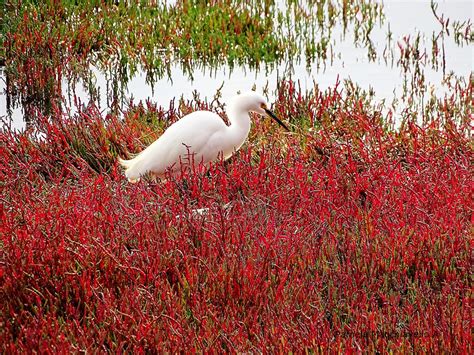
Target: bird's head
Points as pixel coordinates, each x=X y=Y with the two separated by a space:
x=254 y=102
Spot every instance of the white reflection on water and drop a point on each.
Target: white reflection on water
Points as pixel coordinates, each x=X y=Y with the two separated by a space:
x=403 y=18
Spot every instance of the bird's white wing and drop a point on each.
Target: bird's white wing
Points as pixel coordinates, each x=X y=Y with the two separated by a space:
x=191 y=139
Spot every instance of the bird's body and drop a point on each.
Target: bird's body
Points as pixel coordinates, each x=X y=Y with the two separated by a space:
x=200 y=137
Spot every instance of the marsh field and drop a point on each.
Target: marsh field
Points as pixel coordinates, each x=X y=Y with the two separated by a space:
x=352 y=232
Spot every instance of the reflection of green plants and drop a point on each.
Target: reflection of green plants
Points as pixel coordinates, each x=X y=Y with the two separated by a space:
x=45 y=42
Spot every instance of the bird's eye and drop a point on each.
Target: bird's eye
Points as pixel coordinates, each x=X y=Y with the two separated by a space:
x=262 y=105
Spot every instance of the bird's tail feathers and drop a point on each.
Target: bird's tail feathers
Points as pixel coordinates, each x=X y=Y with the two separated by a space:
x=125 y=163
x=132 y=169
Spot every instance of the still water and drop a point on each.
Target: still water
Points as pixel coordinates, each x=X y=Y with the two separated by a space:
x=348 y=61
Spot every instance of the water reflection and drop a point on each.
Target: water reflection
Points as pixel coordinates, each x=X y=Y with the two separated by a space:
x=403 y=58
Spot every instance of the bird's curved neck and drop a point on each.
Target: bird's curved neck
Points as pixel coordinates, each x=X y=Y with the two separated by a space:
x=239 y=123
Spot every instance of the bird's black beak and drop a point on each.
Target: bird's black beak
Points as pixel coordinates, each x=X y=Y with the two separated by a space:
x=272 y=115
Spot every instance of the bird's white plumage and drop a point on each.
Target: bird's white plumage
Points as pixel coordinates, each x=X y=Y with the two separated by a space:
x=200 y=137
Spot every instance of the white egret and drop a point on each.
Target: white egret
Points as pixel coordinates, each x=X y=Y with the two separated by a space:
x=200 y=137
